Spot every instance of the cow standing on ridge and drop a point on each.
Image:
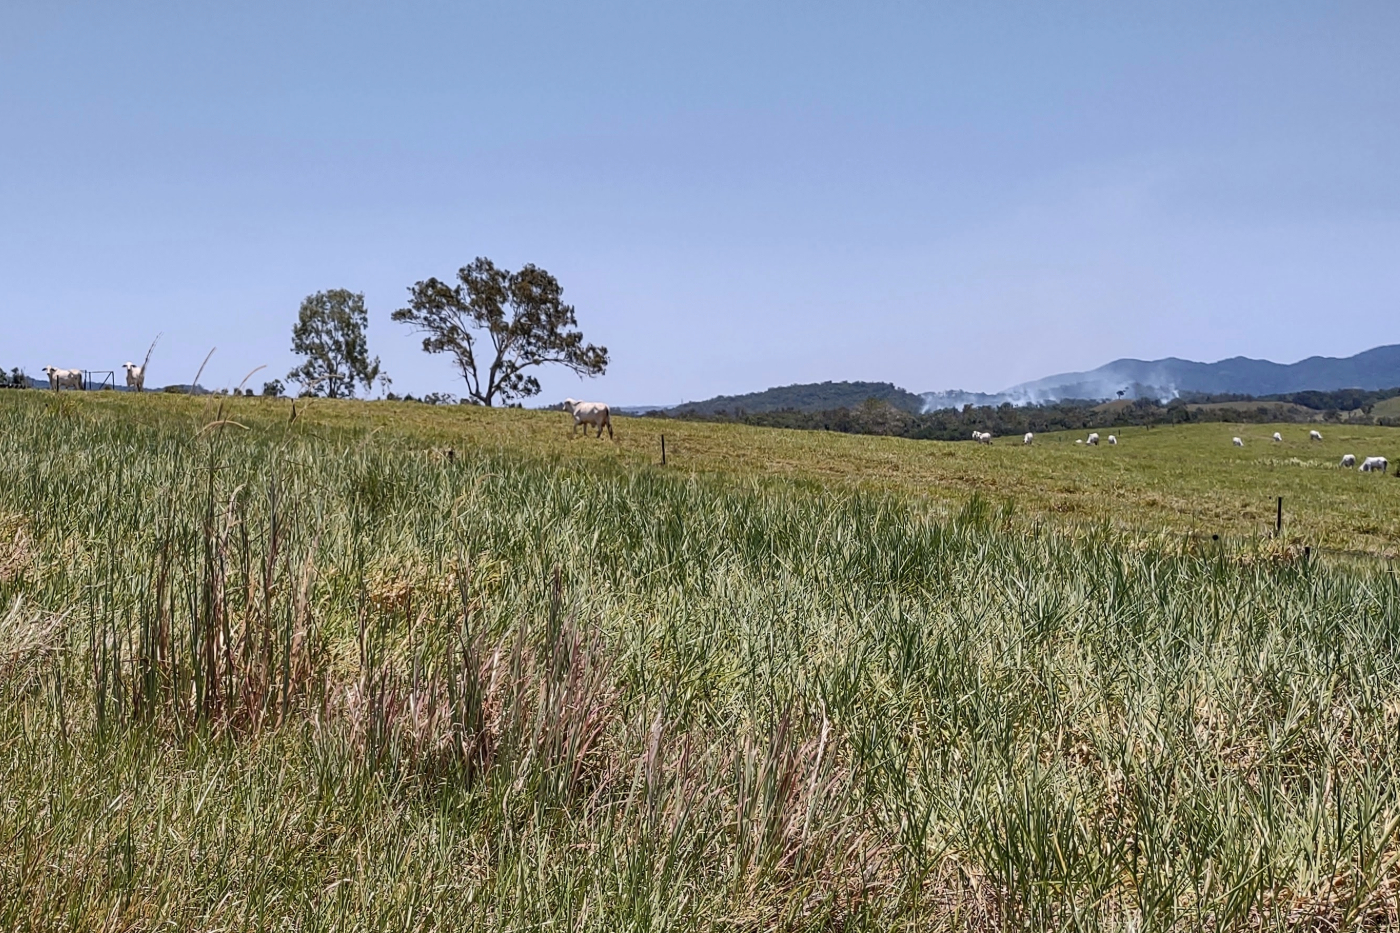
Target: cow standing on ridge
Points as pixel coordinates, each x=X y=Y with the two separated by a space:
x=586 y=413
x=73 y=378
x=135 y=376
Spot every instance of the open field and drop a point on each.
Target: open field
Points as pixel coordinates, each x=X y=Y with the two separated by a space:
x=1387 y=408
x=314 y=674
x=1185 y=479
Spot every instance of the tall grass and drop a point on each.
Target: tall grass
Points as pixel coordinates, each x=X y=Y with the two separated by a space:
x=277 y=678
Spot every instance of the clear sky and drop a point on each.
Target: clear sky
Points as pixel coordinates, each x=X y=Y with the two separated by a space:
x=733 y=195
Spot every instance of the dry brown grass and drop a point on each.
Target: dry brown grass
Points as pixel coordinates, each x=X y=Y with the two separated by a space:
x=28 y=637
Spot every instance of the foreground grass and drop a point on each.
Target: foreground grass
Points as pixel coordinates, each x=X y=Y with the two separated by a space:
x=321 y=676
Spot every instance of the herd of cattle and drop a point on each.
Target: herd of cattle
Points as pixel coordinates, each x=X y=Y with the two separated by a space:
x=76 y=378
x=1368 y=465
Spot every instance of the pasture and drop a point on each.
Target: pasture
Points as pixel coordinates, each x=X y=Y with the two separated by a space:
x=265 y=672
x=1186 y=479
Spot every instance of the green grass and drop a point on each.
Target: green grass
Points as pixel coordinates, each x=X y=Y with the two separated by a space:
x=1387 y=408
x=314 y=674
x=1180 y=480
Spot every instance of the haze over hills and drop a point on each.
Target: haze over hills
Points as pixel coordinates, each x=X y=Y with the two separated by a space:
x=1378 y=368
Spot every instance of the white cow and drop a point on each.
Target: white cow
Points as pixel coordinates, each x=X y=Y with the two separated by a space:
x=982 y=437
x=1093 y=438
x=1314 y=435
x=73 y=378
x=586 y=413
x=1348 y=460
x=1112 y=440
x=1374 y=465
x=1029 y=438
x=1278 y=436
x=135 y=376
x=1237 y=442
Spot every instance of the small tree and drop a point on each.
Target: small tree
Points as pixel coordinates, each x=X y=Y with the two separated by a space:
x=330 y=334
x=522 y=315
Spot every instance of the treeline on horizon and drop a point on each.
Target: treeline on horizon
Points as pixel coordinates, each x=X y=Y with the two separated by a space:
x=877 y=416
x=882 y=416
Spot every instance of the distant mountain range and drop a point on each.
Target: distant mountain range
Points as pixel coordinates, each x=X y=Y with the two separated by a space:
x=1373 y=369
x=1378 y=368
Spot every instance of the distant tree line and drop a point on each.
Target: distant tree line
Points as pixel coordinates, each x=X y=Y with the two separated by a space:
x=824 y=396
x=882 y=418
x=1336 y=400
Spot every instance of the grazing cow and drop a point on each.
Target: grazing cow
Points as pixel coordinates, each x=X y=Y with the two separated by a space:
x=135 y=376
x=1314 y=435
x=586 y=413
x=1112 y=440
x=982 y=437
x=1029 y=438
x=1278 y=436
x=73 y=378
x=1237 y=442
x=1374 y=465
x=1348 y=460
x=1094 y=439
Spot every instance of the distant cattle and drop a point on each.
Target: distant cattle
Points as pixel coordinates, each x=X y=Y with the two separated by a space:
x=1093 y=438
x=586 y=413
x=73 y=378
x=1278 y=436
x=1348 y=460
x=1112 y=440
x=1028 y=438
x=135 y=376
x=1314 y=435
x=1374 y=465
x=982 y=437
x=1237 y=442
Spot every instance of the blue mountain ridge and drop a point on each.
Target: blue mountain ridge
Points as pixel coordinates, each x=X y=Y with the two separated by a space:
x=1377 y=368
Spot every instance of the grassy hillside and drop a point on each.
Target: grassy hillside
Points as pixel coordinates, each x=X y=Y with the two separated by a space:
x=1183 y=479
x=1283 y=412
x=1387 y=408
x=258 y=672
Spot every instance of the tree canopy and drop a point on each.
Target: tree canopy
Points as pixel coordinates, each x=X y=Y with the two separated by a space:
x=520 y=319
x=330 y=335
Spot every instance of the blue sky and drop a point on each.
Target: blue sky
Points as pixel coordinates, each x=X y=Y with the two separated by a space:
x=733 y=195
